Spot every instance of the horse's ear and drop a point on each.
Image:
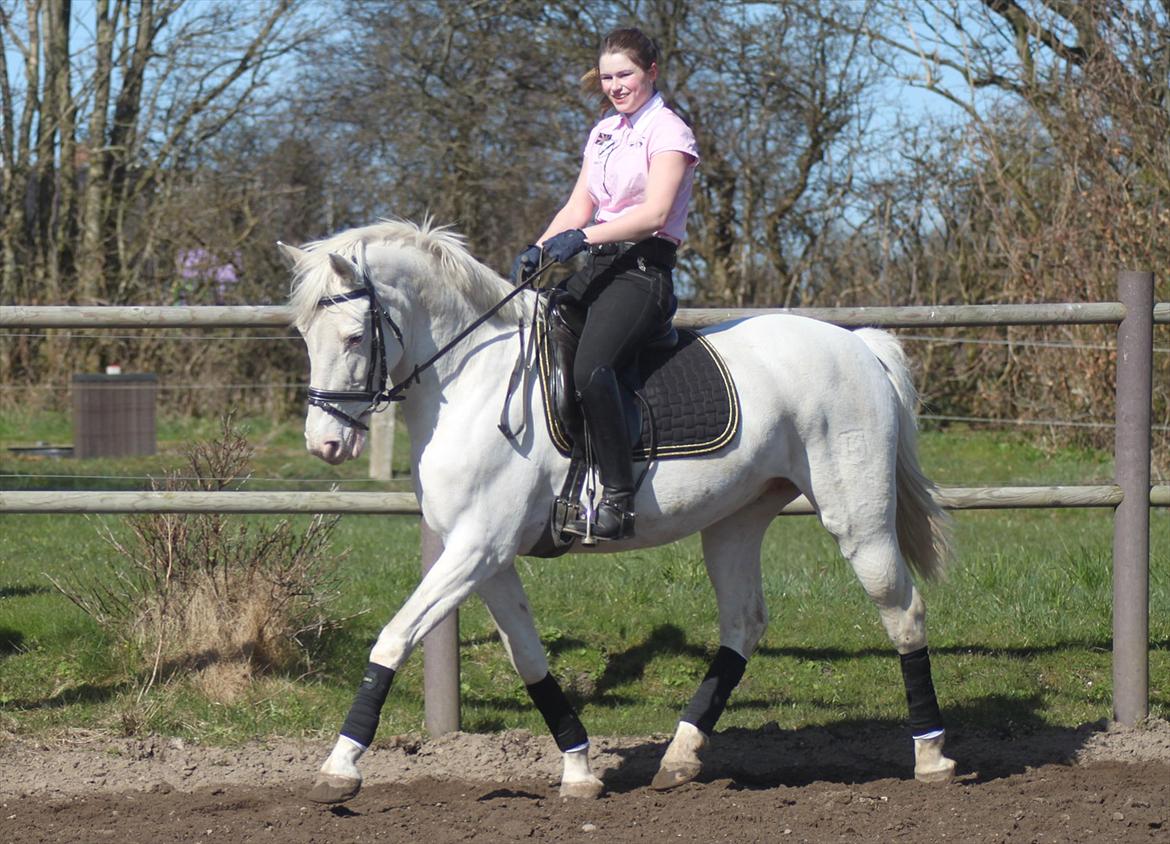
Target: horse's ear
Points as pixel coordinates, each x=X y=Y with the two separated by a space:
x=291 y=254
x=344 y=268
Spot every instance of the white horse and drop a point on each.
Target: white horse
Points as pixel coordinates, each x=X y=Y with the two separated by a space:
x=826 y=412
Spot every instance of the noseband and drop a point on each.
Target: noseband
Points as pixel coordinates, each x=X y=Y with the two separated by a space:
x=375 y=395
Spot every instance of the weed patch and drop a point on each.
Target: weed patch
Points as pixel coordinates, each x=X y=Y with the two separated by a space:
x=210 y=596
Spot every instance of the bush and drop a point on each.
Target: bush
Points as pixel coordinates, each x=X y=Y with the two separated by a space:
x=211 y=595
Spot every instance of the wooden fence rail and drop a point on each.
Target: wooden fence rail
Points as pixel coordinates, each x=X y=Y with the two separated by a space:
x=405 y=504
x=274 y=316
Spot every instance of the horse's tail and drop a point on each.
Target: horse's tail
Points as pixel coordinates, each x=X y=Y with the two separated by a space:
x=924 y=528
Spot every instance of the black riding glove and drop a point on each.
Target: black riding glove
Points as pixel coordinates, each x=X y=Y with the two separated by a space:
x=565 y=245
x=525 y=264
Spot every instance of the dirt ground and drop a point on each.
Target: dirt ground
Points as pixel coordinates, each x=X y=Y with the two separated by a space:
x=854 y=783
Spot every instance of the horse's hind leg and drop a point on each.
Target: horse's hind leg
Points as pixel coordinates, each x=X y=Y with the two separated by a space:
x=886 y=579
x=731 y=550
x=505 y=599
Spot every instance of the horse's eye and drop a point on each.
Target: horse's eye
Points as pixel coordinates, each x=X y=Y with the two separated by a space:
x=353 y=341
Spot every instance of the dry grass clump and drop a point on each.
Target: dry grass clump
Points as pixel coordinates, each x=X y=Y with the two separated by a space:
x=213 y=597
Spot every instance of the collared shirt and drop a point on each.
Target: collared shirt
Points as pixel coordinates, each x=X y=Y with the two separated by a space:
x=618 y=152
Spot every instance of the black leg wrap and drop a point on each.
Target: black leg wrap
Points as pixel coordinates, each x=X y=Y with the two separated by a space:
x=562 y=721
x=362 y=721
x=711 y=698
x=923 y=705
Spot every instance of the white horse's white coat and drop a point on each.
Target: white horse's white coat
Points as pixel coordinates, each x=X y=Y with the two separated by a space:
x=826 y=412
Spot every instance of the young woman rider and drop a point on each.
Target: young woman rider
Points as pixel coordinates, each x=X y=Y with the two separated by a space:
x=628 y=209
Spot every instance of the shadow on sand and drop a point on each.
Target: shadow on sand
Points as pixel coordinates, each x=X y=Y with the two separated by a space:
x=855 y=752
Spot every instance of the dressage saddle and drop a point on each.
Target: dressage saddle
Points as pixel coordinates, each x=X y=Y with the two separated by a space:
x=678 y=397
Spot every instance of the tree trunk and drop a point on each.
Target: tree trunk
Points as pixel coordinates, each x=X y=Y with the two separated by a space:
x=123 y=144
x=91 y=259
x=60 y=245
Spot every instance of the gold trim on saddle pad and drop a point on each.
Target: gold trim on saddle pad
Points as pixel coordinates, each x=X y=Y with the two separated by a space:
x=706 y=445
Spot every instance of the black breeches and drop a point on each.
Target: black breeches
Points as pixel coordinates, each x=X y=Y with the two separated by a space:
x=626 y=306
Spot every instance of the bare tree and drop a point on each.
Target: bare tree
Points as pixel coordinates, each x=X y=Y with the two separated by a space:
x=1078 y=89
x=162 y=78
x=471 y=112
x=110 y=118
x=1061 y=173
x=777 y=98
x=466 y=112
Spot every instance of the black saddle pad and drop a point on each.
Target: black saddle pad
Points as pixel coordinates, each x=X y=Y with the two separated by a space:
x=690 y=403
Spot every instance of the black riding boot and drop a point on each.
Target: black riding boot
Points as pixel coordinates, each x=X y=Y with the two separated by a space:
x=601 y=402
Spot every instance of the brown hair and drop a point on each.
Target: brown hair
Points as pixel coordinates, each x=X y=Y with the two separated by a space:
x=632 y=42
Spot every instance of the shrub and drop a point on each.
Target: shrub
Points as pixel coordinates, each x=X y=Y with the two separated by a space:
x=214 y=596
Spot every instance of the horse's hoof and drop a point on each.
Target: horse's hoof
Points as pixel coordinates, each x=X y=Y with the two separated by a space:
x=668 y=778
x=942 y=773
x=930 y=765
x=330 y=788
x=583 y=789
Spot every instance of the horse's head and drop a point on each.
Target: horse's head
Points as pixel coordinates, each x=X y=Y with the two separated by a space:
x=356 y=317
x=354 y=341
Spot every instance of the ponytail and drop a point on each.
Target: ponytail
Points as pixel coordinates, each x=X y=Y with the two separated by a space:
x=591 y=89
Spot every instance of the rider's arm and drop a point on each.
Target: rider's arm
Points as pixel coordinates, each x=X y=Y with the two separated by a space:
x=577 y=211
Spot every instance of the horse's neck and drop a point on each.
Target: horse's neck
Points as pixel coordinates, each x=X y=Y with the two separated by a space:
x=470 y=375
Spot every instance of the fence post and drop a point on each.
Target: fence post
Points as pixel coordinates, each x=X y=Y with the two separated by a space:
x=1131 y=521
x=440 y=654
x=381 y=445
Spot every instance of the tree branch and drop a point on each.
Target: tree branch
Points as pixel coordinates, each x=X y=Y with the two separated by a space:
x=1024 y=25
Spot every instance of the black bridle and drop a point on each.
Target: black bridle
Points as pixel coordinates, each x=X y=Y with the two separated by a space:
x=375 y=396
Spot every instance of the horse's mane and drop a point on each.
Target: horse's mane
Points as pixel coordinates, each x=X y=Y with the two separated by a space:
x=314 y=278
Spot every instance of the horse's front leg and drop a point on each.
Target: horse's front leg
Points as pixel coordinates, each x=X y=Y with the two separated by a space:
x=506 y=601
x=459 y=570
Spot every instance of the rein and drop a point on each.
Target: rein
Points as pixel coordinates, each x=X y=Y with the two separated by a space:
x=375 y=394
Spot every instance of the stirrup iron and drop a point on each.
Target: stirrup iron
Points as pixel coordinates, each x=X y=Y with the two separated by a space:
x=618 y=508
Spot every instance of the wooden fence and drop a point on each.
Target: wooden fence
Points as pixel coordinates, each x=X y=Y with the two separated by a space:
x=1131 y=494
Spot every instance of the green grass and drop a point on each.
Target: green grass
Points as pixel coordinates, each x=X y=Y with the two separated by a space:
x=281 y=461
x=1020 y=632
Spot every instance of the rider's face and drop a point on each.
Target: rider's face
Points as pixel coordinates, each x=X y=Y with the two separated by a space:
x=627 y=85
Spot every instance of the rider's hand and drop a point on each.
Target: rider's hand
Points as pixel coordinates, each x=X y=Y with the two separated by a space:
x=525 y=264
x=565 y=245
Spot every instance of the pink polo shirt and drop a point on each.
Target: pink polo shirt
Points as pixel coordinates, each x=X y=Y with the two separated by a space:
x=618 y=152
